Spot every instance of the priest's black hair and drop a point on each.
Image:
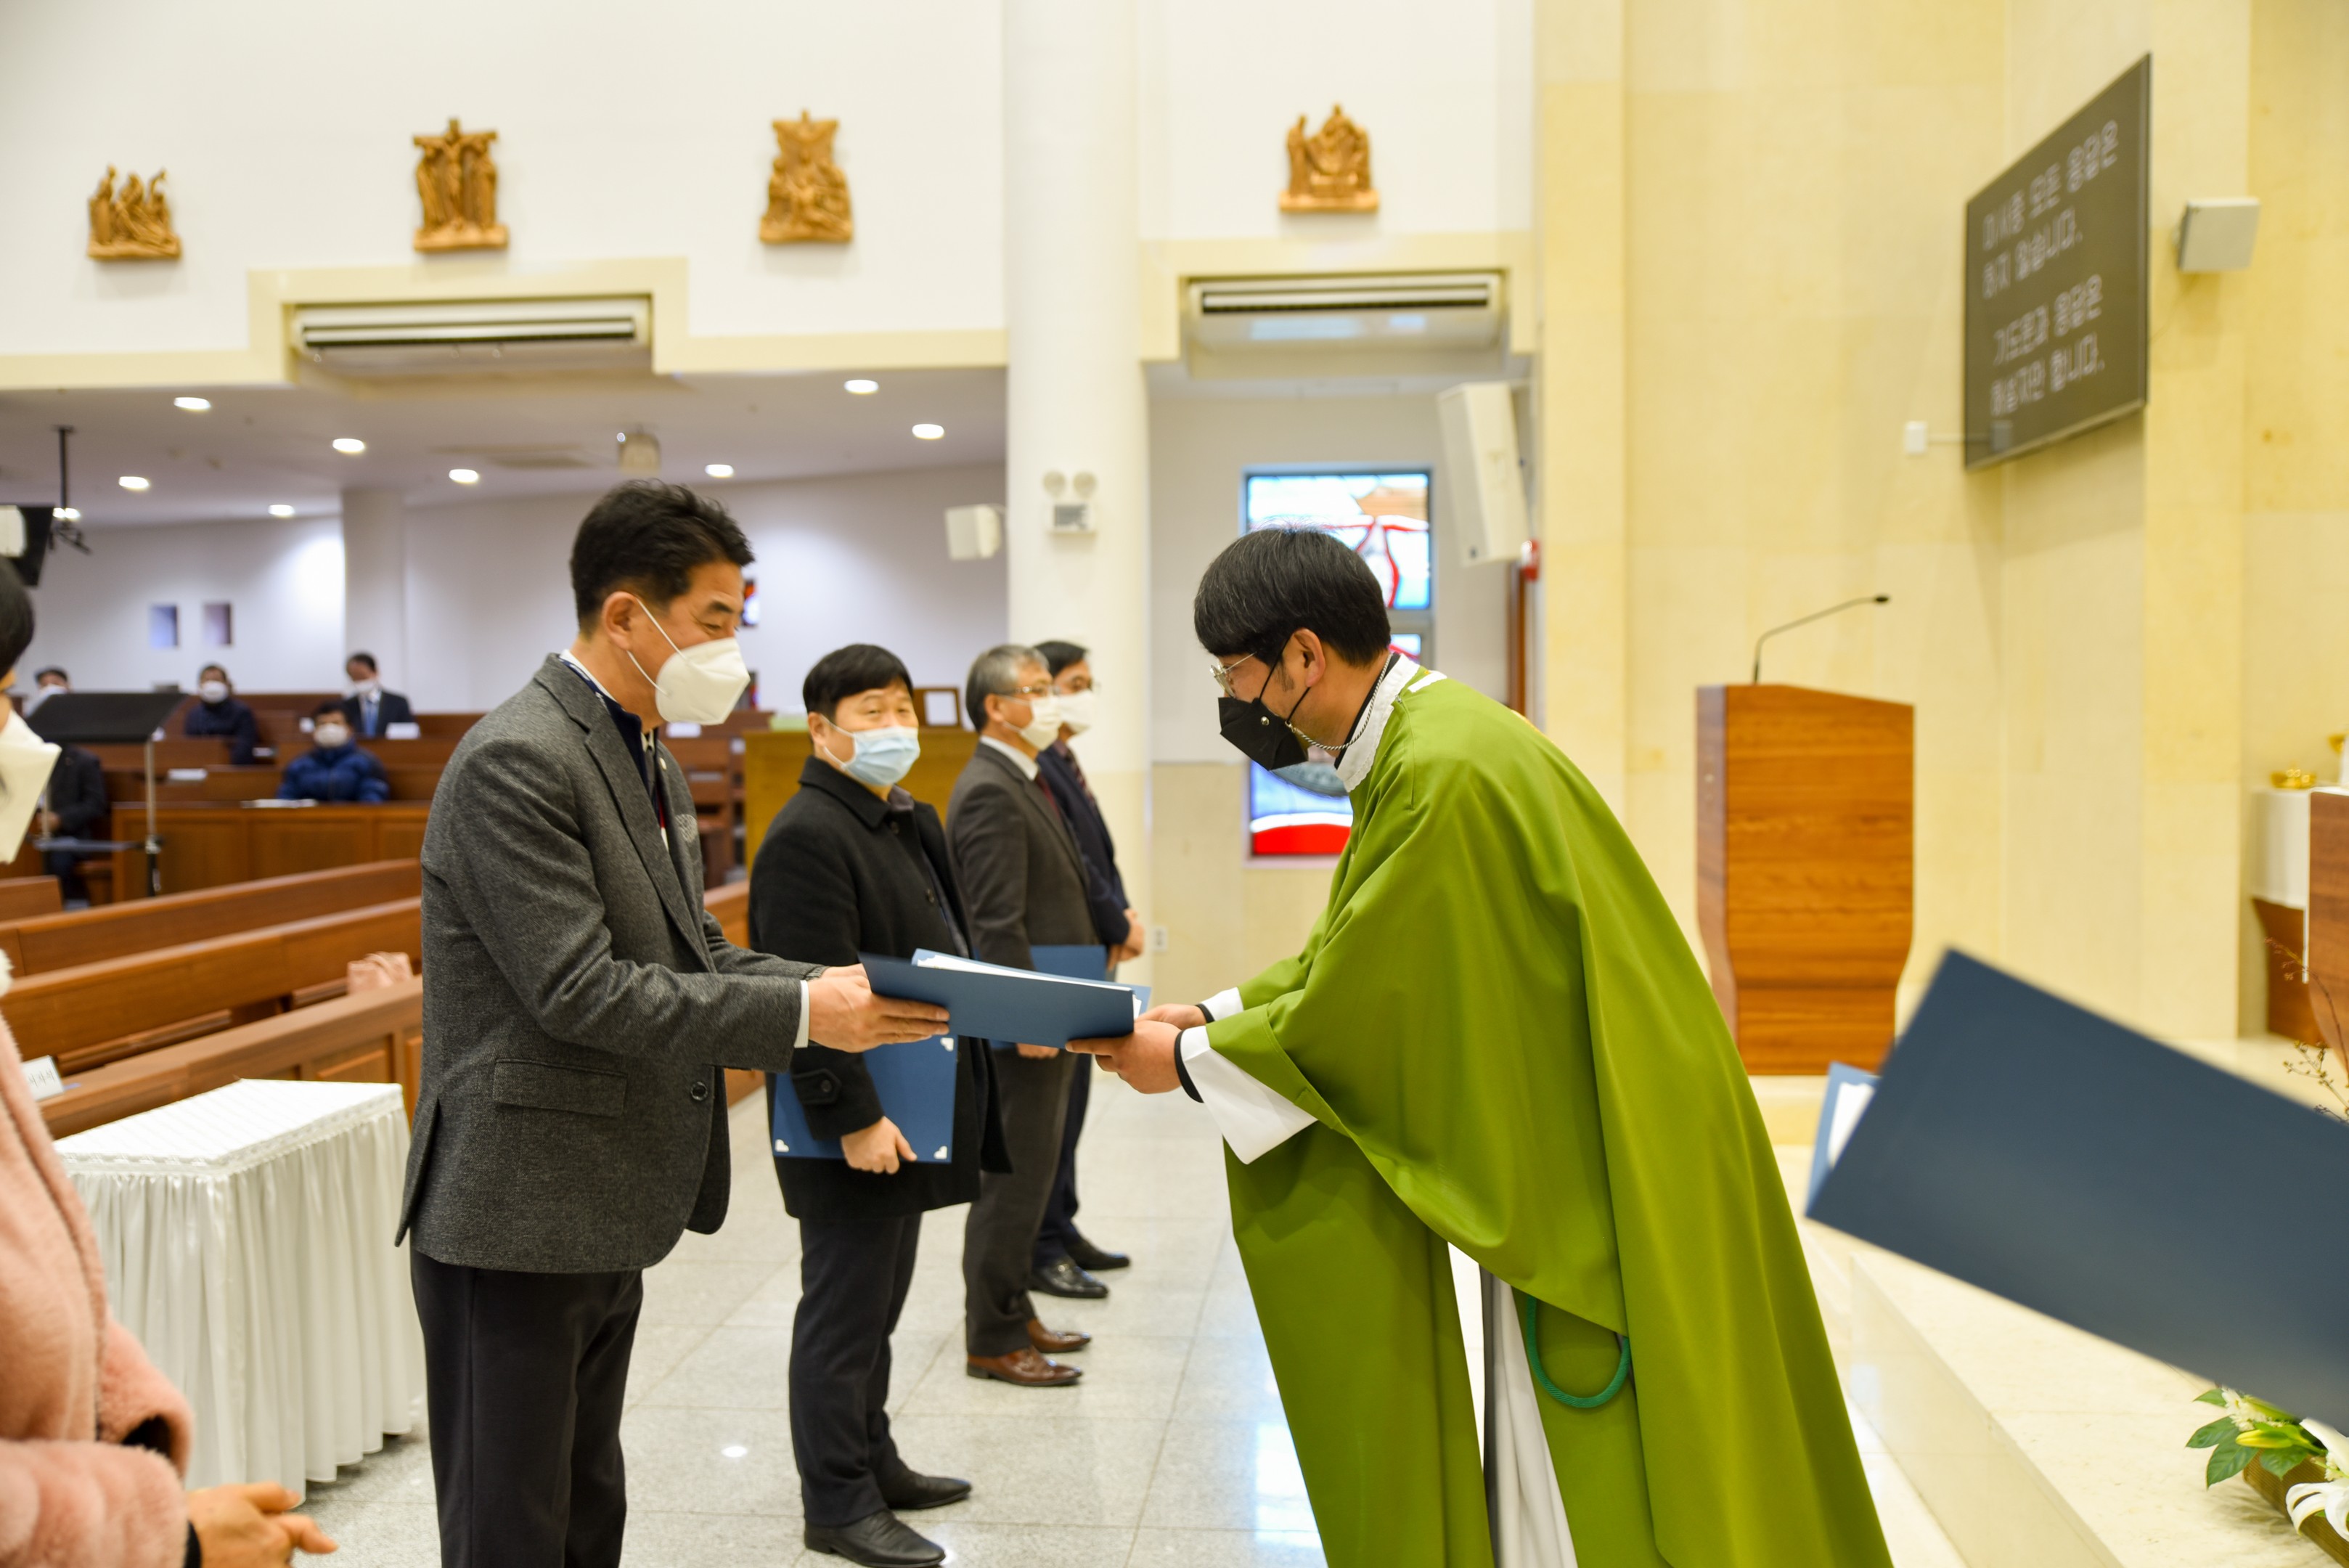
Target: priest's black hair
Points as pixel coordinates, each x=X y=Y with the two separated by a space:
x=844 y=671
x=1271 y=583
x=649 y=538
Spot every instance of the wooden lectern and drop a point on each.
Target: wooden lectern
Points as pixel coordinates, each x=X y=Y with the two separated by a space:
x=1806 y=815
x=2328 y=915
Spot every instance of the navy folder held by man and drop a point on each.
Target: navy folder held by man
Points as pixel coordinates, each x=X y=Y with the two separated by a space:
x=1038 y=1007
x=2061 y=1161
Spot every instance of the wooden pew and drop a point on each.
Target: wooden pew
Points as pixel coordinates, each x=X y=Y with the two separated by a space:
x=208 y=845
x=35 y=946
x=88 y=1015
x=373 y=1037
x=24 y=897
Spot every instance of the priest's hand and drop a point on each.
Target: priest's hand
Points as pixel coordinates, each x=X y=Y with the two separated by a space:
x=844 y=1014
x=1146 y=1058
x=1181 y=1015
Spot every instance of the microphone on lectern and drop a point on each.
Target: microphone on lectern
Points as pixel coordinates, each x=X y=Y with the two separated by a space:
x=1815 y=614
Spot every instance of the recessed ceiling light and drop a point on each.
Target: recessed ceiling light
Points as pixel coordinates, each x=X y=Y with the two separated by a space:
x=281 y=510
x=131 y=481
x=70 y=513
x=720 y=471
x=464 y=476
x=350 y=446
x=193 y=405
x=860 y=386
x=928 y=432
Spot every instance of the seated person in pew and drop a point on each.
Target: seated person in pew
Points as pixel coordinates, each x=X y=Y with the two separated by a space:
x=335 y=769
x=47 y=683
x=76 y=809
x=218 y=713
x=371 y=710
x=853 y=863
x=93 y=1439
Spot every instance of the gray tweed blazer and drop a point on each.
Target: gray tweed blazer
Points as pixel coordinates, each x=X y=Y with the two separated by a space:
x=578 y=1002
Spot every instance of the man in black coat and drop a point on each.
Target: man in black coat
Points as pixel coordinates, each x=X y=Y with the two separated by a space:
x=370 y=709
x=851 y=864
x=1023 y=883
x=77 y=810
x=1065 y=1260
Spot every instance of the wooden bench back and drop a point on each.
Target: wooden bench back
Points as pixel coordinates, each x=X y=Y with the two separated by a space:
x=24 y=897
x=35 y=946
x=92 y=1013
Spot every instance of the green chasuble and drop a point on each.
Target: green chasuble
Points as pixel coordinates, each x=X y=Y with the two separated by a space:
x=1507 y=1045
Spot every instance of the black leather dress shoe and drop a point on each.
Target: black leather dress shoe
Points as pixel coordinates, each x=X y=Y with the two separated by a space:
x=879 y=1540
x=912 y=1490
x=1094 y=1260
x=1061 y=1277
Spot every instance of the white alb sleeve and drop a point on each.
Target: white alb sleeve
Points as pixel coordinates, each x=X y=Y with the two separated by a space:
x=1252 y=1119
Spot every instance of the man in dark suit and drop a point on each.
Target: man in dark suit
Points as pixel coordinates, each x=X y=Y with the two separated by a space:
x=853 y=863
x=369 y=706
x=75 y=809
x=1066 y=1262
x=578 y=1004
x=1023 y=883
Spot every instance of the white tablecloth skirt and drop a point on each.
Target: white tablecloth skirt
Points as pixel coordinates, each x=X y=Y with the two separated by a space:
x=246 y=1235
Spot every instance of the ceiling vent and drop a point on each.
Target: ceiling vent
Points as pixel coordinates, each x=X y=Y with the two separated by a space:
x=508 y=336
x=1271 y=326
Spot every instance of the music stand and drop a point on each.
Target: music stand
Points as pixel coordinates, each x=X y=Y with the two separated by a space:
x=113 y=719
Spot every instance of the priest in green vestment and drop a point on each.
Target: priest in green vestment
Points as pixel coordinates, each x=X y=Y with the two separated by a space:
x=1495 y=1041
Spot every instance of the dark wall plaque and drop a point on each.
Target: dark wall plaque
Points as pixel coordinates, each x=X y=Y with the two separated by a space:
x=2055 y=280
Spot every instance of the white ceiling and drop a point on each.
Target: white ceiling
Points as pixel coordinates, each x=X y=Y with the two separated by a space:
x=257 y=447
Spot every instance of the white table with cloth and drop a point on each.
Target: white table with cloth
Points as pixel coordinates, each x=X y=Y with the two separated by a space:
x=246 y=1235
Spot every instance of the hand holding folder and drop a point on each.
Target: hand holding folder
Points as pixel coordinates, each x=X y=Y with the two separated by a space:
x=1008 y=1004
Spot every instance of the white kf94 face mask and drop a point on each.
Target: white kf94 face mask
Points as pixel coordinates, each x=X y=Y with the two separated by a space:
x=699 y=685
x=1077 y=710
x=1043 y=726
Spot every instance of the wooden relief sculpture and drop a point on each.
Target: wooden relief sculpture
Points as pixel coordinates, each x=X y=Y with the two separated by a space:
x=133 y=222
x=459 y=183
x=807 y=195
x=1329 y=170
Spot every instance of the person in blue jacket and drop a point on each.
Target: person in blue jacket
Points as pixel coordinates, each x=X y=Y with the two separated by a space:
x=335 y=769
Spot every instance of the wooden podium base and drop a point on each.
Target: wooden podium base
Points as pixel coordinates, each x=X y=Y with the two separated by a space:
x=1802 y=1029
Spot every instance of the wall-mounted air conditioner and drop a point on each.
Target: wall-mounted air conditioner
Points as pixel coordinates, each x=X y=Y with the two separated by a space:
x=508 y=336
x=1342 y=323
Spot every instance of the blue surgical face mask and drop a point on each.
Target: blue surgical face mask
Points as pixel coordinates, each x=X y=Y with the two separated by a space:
x=883 y=756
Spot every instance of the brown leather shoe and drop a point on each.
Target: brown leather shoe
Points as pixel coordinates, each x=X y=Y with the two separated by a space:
x=1054 y=1341
x=1023 y=1367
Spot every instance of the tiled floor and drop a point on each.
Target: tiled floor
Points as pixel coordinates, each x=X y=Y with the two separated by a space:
x=1171 y=1453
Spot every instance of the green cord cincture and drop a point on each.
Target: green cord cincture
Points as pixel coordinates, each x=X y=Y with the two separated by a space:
x=1541 y=1373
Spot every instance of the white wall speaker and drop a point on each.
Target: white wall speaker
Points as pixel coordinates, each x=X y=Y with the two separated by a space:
x=974 y=533
x=1482 y=484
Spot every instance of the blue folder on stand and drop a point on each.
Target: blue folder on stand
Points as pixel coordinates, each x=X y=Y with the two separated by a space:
x=915 y=1081
x=1066 y=997
x=2060 y=1160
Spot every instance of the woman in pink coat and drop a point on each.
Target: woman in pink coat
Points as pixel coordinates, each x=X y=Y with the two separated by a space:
x=93 y=1439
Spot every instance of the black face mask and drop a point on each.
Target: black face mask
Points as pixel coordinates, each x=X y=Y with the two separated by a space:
x=1261 y=736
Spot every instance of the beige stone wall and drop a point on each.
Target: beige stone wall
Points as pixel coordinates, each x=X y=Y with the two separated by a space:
x=1227 y=917
x=1750 y=232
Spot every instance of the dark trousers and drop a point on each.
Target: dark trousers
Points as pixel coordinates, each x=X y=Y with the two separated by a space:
x=999 y=1241
x=523 y=1379
x=854 y=1276
x=1059 y=1231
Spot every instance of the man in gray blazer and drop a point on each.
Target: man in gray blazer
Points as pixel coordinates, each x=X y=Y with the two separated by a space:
x=579 y=1007
x=1023 y=885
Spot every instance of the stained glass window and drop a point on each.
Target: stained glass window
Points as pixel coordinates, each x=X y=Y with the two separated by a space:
x=1382 y=516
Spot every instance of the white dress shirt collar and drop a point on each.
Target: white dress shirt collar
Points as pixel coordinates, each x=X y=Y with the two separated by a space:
x=1020 y=759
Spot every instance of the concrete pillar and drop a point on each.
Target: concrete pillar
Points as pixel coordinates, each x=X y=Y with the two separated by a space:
x=1075 y=398
x=374 y=579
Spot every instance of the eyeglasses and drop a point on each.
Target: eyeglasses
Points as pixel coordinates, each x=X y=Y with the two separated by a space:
x=1222 y=673
x=1027 y=693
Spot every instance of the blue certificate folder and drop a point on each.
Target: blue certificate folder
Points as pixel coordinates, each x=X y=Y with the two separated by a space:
x=915 y=1081
x=1066 y=997
x=2057 y=1160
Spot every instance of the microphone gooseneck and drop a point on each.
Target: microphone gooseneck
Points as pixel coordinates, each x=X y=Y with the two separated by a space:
x=1806 y=620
